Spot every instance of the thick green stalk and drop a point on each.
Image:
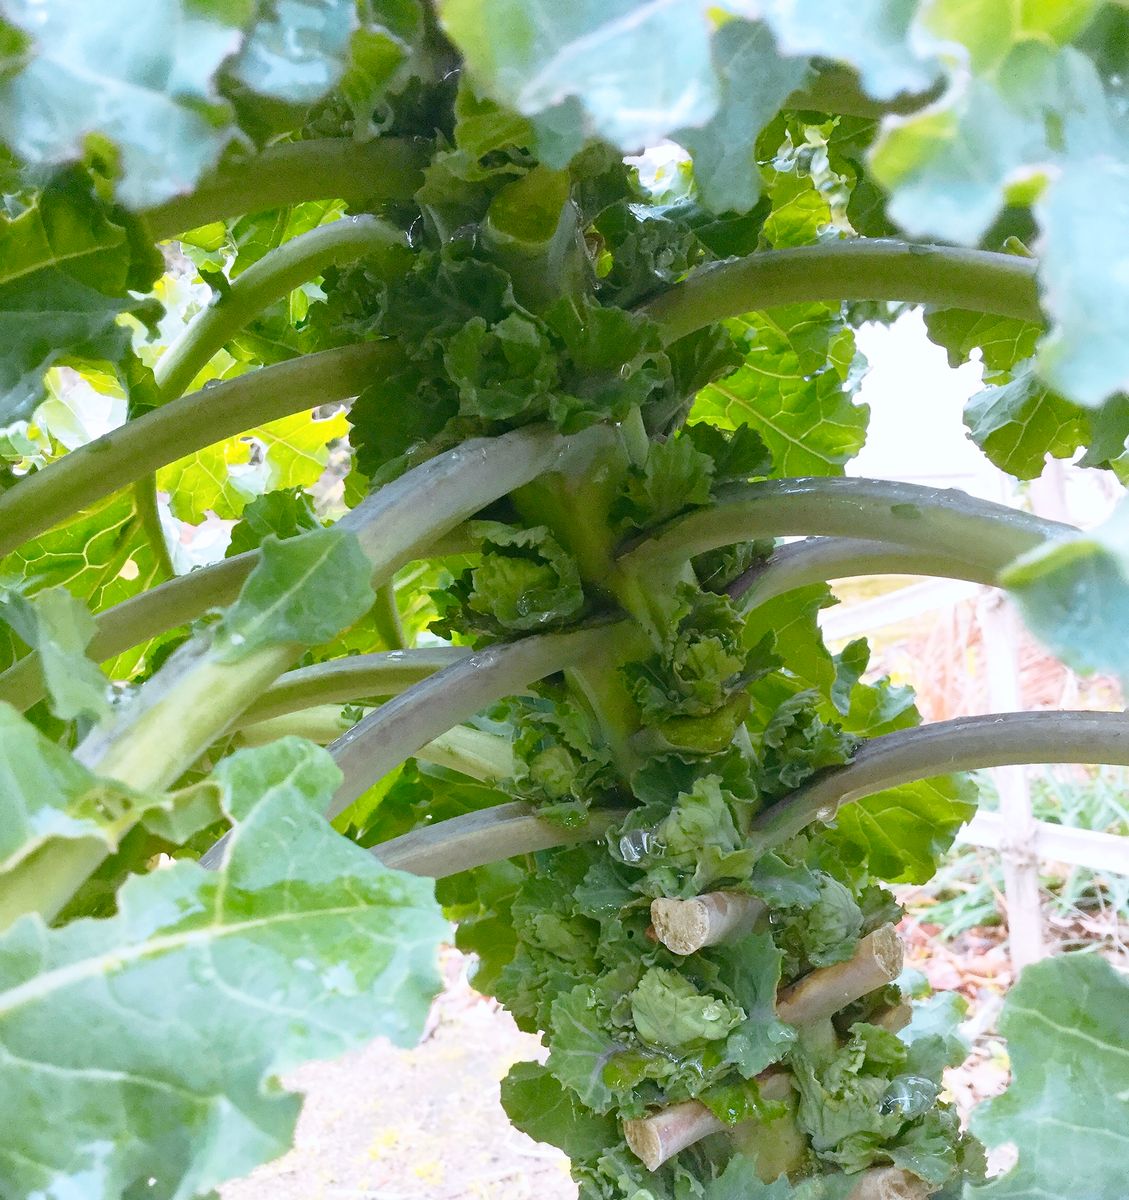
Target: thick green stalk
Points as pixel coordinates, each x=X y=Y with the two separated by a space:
x=820 y=559
x=194 y=698
x=490 y=835
x=356 y=677
x=487 y=757
x=964 y=744
x=384 y=169
x=174 y=603
x=863 y=269
x=272 y=277
x=396 y=730
x=321 y=723
x=949 y=524
x=198 y=695
x=183 y=426
x=386 y=618
x=149 y=510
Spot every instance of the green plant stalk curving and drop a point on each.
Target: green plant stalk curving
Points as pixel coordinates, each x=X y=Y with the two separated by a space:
x=162 y=608
x=272 y=277
x=383 y=169
x=965 y=744
x=196 y=696
x=947 y=523
x=354 y=677
x=189 y=423
x=866 y=269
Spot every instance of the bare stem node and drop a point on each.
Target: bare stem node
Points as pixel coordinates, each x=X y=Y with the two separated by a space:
x=685 y=926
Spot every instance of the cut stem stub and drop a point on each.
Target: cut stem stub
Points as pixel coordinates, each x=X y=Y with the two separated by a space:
x=685 y=926
x=876 y=962
x=657 y=1138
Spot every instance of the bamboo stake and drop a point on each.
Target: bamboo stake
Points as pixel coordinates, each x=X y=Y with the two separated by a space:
x=685 y=926
x=876 y=962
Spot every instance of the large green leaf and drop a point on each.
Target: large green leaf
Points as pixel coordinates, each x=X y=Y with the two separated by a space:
x=1067 y=1110
x=1003 y=342
x=900 y=834
x=290 y=453
x=539 y=1106
x=1074 y=594
x=45 y=795
x=59 y=627
x=101 y=557
x=1017 y=424
x=876 y=37
x=304 y=590
x=754 y=81
x=139 y=72
x=46 y=317
x=1034 y=125
x=298 y=52
x=792 y=390
x=143 y=1051
x=608 y=62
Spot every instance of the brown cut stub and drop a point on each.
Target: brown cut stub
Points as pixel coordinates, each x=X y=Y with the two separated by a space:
x=895 y=1018
x=659 y=1137
x=685 y=926
x=890 y=1183
x=877 y=961
x=655 y=1139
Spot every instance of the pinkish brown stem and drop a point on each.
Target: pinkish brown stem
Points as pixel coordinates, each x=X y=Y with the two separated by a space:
x=876 y=962
x=658 y=1138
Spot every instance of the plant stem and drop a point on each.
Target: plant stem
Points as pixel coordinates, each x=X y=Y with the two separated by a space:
x=355 y=677
x=386 y=618
x=197 y=696
x=183 y=426
x=272 y=277
x=396 y=730
x=487 y=757
x=321 y=723
x=877 y=961
x=966 y=744
x=819 y=559
x=685 y=926
x=149 y=510
x=963 y=744
x=863 y=269
x=174 y=603
x=657 y=1138
x=950 y=523
x=194 y=698
x=489 y=835
x=384 y=169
